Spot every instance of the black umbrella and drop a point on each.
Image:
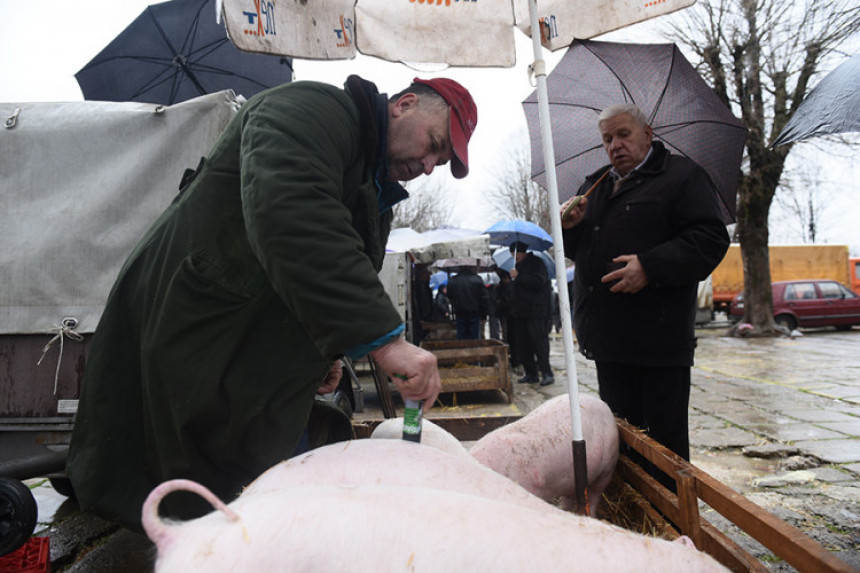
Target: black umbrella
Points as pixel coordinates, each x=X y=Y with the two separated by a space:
x=684 y=112
x=175 y=51
x=833 y=106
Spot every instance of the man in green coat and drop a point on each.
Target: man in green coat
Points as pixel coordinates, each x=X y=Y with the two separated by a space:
x=262 y=273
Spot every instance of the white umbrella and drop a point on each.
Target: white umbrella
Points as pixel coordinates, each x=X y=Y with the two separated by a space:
x=472 y=33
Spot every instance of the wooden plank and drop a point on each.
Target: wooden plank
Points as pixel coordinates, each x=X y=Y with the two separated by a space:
x=487 y=372
x=786 y=541
x=446 y=355
x=688 y=505
x=712 y=541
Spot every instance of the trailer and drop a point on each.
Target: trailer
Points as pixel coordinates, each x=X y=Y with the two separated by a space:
x=81 y=183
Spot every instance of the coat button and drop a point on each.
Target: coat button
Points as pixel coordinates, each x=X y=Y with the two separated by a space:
x=596 y=228
x=591 y=289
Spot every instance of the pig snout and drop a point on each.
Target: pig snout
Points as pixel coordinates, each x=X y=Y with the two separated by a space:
x=159 y=531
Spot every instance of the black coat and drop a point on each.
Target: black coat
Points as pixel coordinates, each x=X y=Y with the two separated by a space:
x=468 y=295
x=667 y=214
x=532 y=289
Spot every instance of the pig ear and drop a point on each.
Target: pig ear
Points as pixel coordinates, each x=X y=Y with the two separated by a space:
x=157 y=530
x=685 y=541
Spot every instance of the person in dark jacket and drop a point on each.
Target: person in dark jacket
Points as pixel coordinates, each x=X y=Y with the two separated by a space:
x=422 y=303
x=231 y=311
x=469 y=300
x=441 y=305
x=642 y=241
x=532 y=315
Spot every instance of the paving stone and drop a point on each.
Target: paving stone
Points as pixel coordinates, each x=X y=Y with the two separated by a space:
x=818 y=415
x=794 y=432
x=847 y=428
x=832 y=475
x=783 y=479
x=730 y=437
x=769 y=451
x=832 y=451
x=843 y=392
x=744 y=415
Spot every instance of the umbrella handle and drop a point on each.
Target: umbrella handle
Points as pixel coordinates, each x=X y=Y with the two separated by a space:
x=576 y=201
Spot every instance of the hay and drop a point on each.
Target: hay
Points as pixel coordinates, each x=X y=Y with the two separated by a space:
x=625 y=507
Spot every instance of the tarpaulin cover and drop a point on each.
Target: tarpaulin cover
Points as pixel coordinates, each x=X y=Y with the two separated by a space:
x=80 y=183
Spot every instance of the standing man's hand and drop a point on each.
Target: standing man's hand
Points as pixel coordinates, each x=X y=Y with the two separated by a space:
x=412 y=369
x=332 y=378
x=631 y=277
x=575 y=215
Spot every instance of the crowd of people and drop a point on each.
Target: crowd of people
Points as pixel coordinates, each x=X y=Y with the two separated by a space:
x=520 y=308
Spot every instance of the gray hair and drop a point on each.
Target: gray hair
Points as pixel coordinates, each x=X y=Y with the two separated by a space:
x=618 y=108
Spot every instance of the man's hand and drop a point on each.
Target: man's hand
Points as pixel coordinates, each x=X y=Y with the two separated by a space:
x=412 y=369
x=332 y=379
x=631 y=277
x=575 y=215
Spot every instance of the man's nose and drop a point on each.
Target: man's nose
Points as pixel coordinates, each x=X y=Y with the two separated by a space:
x=428 y=163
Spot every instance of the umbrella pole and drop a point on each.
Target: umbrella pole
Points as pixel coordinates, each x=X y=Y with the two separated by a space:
x=578 y=443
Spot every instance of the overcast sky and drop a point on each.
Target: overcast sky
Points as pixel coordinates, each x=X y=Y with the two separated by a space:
x=42 y=46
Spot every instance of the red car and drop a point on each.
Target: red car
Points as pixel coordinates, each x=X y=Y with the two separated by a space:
x=811 y=302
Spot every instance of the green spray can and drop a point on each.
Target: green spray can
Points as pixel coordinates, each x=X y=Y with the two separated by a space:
x=412 y=417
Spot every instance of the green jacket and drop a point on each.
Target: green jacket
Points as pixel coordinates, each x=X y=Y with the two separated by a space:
x=229 y=312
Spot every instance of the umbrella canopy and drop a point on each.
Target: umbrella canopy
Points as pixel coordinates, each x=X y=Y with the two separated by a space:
x=475 y=34
x=684 y=112
x=175 y=51
x=512 y=231
x=505 y=260
x=438 y=279
x=833 y=106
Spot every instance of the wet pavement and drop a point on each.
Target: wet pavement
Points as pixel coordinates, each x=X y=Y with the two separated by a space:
x=778 y=420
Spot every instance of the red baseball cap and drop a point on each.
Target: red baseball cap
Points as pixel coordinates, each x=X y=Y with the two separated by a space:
x=463 y=119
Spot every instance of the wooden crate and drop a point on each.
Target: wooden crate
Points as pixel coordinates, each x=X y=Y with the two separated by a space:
x=469 y=365
x=682 y=510
x=439 y=330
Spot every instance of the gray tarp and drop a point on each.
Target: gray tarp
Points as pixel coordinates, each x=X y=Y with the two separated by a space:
x=80 y=182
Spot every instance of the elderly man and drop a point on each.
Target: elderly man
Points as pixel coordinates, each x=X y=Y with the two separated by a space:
x=649 y=232
x=228 y=315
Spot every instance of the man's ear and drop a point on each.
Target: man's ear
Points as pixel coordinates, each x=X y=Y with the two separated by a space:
x=406 y=102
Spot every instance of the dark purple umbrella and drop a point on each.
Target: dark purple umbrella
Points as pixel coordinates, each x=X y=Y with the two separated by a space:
x=684 y=112
x=175 y=51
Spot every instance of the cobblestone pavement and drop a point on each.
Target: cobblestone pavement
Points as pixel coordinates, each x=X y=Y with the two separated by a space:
x=775 y=419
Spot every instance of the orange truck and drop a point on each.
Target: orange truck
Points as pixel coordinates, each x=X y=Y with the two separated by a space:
x=787 y=262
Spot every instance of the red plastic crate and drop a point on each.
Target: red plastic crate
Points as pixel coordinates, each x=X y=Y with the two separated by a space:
x=33 y=557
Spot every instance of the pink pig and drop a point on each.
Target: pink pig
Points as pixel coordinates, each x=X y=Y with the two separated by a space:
x=535 y=451
x=335 y=509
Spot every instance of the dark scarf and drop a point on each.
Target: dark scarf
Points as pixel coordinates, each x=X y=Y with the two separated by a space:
x=373 y=113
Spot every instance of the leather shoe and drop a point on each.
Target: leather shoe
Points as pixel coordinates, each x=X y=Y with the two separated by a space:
x=527 y=380
x=547 y=380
